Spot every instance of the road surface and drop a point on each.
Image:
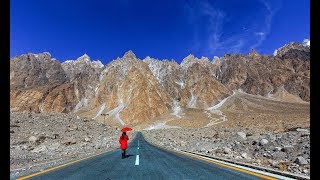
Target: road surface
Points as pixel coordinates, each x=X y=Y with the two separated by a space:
x=144 y=161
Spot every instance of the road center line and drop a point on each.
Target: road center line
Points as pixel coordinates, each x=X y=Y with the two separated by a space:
x=137 y=160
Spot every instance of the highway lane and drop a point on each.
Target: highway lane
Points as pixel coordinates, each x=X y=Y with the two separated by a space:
x=152 y=163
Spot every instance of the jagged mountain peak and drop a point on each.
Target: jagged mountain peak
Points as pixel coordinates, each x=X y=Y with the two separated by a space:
x=253 y=53
x=83 y=60
x=129 y=55
x=30 y=56
x=132 y=90
x=216 y=60
x=191 y=59
x=84 y=57
x=149 y=59
x=294 y=50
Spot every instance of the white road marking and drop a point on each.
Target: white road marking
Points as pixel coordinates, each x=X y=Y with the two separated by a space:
x=137 y=160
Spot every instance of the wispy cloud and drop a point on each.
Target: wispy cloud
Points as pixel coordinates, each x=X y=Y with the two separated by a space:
x=266 y=29
x=217 y=37
x=268 y=22
x=199 y=10
x=213 y=41
x=260 y=33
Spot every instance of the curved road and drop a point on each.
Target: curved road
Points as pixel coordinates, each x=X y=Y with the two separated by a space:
x=152 y=163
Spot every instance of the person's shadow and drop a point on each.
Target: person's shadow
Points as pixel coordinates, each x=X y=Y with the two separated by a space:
x=129 y=155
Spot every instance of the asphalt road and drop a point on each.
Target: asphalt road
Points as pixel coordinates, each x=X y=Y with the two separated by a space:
x=153 y=163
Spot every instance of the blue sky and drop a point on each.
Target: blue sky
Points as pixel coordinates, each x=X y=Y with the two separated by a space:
x=163 y=29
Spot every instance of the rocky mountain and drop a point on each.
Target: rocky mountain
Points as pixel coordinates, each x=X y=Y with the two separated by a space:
x=39 y=83
x=129 y=90
x=294 y=50
x=128 y=93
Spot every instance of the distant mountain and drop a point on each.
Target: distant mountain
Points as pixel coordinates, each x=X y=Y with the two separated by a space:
x=129 y=90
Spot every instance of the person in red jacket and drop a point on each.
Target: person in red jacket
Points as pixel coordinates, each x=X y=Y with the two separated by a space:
x=123 y=140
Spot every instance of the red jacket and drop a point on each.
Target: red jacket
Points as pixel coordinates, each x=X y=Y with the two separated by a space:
x=123 y=142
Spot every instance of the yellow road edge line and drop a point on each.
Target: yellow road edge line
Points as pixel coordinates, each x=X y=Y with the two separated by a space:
x=62 y=165
x=221 y=164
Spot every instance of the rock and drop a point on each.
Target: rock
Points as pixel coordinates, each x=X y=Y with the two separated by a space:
x=273 y=163
x=33 y=139
x=39 y=149
x=305 y=171
x=301 y=161
x=55 y=136
x=254 y=143
x=73 y=127
x=283 y=166
x=287 y=149
x=245 y=155
x=272 y=137
x=29 y=148
x=87 y=139
x=242 y=135
x=54 y=146
x=11 y=131
x=277 y=148
x=226 y=150
x=68 y=141
x=182 y=143
x=41 y=139
x=302 y=130
x=279 y=155
x=263 y=142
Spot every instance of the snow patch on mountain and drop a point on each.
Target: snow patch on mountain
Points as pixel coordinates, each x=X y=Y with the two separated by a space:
x=192 y=102
x=82 y=103
x=306 y=42
x=176 y=109
x=102 y=107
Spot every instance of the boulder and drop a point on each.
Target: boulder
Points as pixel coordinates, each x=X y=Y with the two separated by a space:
x=245 y=155
x=87 y=139
x=68 y=141
x=73 y=127
x=33 y=139
x=302 y=130
x=277 y=148
x=39 y=149
x=301 y=160
x=279 y=155
x=287 y=149
x=263 y=142
x=242 y=135
x=54 y=146
x=226 y=150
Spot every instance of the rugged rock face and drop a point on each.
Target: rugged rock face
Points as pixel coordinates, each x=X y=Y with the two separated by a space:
x=84 y=74
x=128 y=93
x=41 y=84
x=129 y=90
x=202 y=89
x=34 y=70
x=265 y=75
x=294 y=50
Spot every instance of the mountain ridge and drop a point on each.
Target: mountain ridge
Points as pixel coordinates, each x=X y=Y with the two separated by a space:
x=129 y=90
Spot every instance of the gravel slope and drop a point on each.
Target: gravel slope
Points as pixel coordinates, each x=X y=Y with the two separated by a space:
x=287 y=151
